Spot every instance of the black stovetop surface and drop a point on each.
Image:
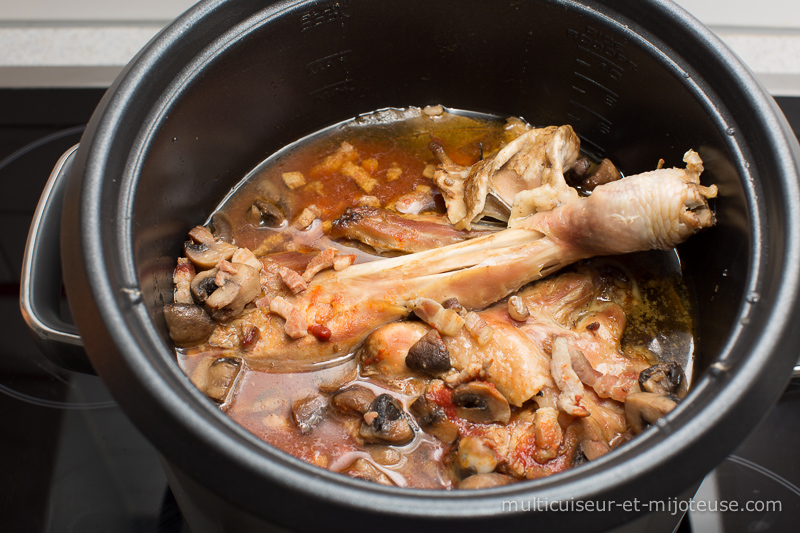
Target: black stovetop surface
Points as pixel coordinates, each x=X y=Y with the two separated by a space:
x=71 y=462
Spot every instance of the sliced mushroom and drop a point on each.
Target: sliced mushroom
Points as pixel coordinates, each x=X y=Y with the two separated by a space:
x=355 y=399
x=308 y=412
x=270 y=215
x=205 y=253
x=481 y=402
x=485 y=481
x=188 y=324
x=475 y=454
x=385 y=350
x=604 y=173
x=364 y=469
x=429 y=355
x=221 y=376
x=203 y=285
x=577 y=173
x=241 y=287
x=645 y=408
x=223 y=228
x=223 y=296
x=385 y=422
x=664 y=378
x=433 y=420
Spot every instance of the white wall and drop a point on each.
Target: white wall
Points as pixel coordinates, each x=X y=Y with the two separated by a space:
x=747 y=13
x=92 y=10
x=751 y=13
x=79 y=42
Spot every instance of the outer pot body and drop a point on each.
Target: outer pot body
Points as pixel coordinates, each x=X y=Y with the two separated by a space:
x=231 y=82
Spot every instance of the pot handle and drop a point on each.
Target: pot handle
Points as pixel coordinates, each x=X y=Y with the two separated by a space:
x=41 y=281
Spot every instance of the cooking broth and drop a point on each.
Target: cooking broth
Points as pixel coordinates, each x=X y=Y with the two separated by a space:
x=291 y=207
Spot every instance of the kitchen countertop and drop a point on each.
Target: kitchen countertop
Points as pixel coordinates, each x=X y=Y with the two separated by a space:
x=81 y=54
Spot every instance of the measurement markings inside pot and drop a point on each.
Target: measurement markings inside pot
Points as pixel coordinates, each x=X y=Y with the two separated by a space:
x=328 y=62
x=320 y=16
x=598 y=57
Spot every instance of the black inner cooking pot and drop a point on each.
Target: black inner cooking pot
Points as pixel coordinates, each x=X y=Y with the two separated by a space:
x=230 y=82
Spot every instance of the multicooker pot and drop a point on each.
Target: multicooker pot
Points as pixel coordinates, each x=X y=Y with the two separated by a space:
x=230 y=82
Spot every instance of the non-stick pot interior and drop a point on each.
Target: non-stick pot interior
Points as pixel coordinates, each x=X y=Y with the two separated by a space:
x=220 y=93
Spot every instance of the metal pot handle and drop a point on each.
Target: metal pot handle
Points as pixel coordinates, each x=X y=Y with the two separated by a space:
x=41 y=282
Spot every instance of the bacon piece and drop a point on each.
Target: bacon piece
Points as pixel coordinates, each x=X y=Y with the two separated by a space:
x=478 y=328
x=567 y=381
x=605 y=385
x=446 y=321
x=182 y=278
x=340 y=262
x=250 y=336
x=245 y=256
x=334 y=162
x=360 y=175
x=322 y=261
x=293 y=280
x=296 y=326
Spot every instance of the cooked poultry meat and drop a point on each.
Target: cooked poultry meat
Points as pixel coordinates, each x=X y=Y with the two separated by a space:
x=455 y=364
x=533 y=163
x=654 y=210
x=384 y=230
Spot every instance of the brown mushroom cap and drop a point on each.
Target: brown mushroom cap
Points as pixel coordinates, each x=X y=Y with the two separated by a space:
x=188 y=324
x=268 y=214
x=429 y=355
x=433 y=420
x=221 y=376
x=308 y=412
x=385 y=422
x=664 y=378
x=604 y=173
x=355 y=399
x=645 y=408
x=481 y=402
x=363 y=468
x=223 y=227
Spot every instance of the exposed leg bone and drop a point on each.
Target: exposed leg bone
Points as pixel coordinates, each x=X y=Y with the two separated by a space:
x=657 y=209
